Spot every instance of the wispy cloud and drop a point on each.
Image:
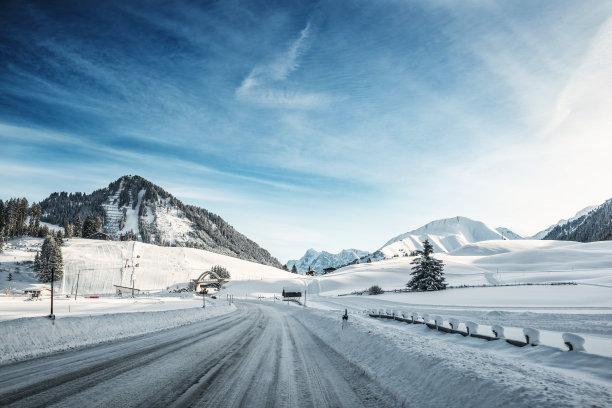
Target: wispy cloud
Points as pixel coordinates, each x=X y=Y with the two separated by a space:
x=266 y=83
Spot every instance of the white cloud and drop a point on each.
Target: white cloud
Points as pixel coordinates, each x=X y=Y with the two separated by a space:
x=265 y=85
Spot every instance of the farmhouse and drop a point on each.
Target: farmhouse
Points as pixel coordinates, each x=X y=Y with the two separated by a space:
x=99 y=235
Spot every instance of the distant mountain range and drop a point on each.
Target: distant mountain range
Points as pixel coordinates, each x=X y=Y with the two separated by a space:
x=318 y=261
x=593 y=223
x=134 y=207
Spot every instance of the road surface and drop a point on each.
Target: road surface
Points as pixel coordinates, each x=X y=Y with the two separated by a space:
x=258 y=356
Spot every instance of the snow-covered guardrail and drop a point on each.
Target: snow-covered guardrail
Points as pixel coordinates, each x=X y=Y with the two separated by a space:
x=532 y=336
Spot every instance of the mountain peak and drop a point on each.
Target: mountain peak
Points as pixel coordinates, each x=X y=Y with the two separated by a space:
x=134 y=208
x=445 y=235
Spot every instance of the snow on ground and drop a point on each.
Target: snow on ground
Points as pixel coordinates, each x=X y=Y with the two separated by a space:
x=584 y=309
x=93 y=321
x=98 y=265
x=428 y=368
x=16 y=307
x=173 y=224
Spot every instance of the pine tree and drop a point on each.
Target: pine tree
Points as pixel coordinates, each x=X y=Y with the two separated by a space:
x=35 y=214
x=294 y=269
x=427 y=272
x=58 y=262
x=89 y=226
x=37 y=264
x=68 y=230
x=49 y=262
x=98 y=224
x=59 y=238
x=285 y=268
x=43 y=231
x=78 y=228
x=221 y=271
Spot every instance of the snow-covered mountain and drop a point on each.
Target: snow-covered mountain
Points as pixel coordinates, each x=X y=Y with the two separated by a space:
x=134 y=207
x=445 y=235
x=321 y=260
x=583 y=212
x=590 y=224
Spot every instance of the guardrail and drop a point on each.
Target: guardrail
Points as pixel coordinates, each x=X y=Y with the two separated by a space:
x=532 y=336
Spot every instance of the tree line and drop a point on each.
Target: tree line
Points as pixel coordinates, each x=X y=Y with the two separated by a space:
x=19 y=219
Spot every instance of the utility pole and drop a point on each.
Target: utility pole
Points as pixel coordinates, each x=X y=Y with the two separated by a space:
x=52 y=316
x=305 y=297
x=133 y=282
x=77 y=285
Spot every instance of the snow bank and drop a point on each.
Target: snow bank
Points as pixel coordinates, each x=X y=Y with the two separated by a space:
x=451 y=371
x=532 y=336
x=31 y=337
x=576 y=342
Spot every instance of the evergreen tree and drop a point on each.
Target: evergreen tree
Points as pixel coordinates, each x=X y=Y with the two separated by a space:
x=294 y=269
x=58 y=262
x=285 y=268
x=35 y=214
x=221 y=271
x=10 y=277
x=78 y=228
x=68 y=230
x=37 y=264
x=427 y=272
x=59 y=238
x=43 y=231
x=98 y=224
x=49 y=259
x=89 y=226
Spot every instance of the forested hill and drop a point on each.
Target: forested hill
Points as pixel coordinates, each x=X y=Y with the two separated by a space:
x=594 y=226
x=138 y=209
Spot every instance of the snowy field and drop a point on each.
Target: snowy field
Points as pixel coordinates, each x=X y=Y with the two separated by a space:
x=583 y=308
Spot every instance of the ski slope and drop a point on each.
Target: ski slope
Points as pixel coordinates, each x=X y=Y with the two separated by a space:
x=102 y=264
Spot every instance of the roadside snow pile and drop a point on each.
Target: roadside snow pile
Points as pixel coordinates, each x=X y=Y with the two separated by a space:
x=573 y=341
x=532 y=336
x=31 y=337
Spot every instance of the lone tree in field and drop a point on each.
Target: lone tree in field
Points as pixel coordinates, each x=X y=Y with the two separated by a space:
x=427 y=272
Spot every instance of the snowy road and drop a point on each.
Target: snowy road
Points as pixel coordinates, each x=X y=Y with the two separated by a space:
x=257 y=356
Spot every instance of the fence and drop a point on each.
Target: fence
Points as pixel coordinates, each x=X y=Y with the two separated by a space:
x=484 y=285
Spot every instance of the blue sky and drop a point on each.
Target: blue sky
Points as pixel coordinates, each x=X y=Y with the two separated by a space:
x=330 y=124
